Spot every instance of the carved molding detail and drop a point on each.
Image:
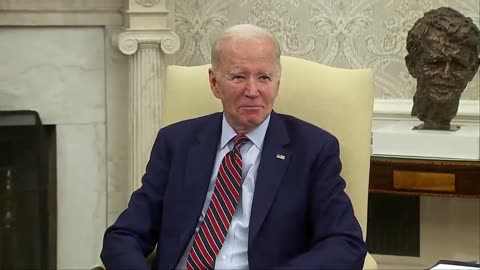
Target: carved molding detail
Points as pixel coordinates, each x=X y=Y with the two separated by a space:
x=145 y=107
x=148 y=3
x=128 y=41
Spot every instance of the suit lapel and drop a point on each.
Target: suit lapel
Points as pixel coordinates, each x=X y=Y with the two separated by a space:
x=273 y=164
x=199 y=164
x=200 y=158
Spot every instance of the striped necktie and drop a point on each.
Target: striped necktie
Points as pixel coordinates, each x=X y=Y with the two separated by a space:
x=212 y=232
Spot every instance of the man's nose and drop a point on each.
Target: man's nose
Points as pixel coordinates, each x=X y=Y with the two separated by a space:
x=251 y=88
x=446 y=71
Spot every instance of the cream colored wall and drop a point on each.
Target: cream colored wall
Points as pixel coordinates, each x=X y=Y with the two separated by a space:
x=342 y=33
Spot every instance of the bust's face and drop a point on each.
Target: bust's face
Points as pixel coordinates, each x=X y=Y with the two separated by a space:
x=444 y=69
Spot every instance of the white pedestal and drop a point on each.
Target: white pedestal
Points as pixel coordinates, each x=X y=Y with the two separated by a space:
x=400 y=140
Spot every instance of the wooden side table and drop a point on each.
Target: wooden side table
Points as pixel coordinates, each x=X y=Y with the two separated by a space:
x=424 y=177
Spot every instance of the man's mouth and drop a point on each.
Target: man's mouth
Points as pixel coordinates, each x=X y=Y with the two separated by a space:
x=251 y=106
x=443 y=92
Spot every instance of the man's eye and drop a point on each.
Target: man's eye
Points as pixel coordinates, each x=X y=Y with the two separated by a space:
x=265 y=78
x=238 y=77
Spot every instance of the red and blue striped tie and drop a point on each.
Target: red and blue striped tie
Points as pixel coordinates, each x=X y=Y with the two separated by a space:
x=212 y=232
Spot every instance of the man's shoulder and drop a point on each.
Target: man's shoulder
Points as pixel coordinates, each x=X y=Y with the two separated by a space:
x=190 y=125
x=299 y=128
x=307 y=138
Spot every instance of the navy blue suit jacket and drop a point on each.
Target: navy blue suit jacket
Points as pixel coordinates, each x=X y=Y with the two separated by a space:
x=301 y=217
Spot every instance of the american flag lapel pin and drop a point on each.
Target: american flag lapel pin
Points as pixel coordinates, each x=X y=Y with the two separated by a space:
x=280 y=156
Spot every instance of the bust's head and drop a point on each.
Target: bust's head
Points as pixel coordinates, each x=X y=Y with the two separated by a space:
x=443 y=48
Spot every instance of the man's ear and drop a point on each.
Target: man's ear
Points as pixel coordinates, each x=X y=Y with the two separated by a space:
x=213 y=82
x=410 y=65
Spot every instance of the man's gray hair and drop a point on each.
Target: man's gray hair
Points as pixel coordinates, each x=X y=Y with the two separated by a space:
x=246 y=31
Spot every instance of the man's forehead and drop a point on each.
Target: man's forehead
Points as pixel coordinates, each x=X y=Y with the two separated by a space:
x=248 y=65
x=436 y=48
x=250 y=70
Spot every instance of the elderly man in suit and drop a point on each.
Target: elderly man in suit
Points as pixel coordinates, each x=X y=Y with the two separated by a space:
x=244 y=189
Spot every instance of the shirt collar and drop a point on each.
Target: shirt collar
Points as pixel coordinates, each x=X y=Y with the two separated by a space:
x=256 y=136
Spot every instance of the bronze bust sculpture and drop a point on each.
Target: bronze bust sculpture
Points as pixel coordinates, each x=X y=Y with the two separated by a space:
x=443 y=48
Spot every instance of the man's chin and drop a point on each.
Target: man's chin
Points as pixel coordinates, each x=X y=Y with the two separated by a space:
x=254 y=121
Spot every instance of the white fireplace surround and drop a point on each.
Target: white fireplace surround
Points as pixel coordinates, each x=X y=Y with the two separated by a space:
x=60 y=72
x=58 y=59
x=62 y=59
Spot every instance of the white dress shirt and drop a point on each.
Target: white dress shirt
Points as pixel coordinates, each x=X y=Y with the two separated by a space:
x=233 y=254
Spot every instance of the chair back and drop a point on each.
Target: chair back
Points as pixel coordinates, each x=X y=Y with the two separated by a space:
x=337 y=100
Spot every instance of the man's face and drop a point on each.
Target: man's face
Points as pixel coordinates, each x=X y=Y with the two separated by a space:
x=247 y=81
x=444 y=70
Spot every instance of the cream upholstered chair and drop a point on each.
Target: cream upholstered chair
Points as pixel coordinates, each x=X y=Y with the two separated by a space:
x=337 y=100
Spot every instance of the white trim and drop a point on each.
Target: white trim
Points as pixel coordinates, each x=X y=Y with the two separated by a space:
x=468 y=110
x=128 y=40
x=40 y=18
x=9 y=5
x=60 y=13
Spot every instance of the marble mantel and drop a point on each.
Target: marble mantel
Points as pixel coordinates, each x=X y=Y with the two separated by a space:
x=59 y=72
x=62 y=63
x=59 y=60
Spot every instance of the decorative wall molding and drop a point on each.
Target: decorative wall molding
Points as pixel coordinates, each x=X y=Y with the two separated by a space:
x=148 y=3
x=128 y=41
x=146 y=50
x=60 y=13
x=149 y=12
x=145 y=107
x=468 y=110
x=55 y=18
x=77 y=5
x=147 y=38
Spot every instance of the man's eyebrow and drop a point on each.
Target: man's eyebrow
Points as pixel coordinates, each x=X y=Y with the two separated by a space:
x=266 y=73
x=235 y=71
